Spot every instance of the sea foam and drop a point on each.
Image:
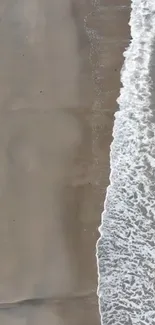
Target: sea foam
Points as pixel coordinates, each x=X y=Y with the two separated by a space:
x=126 y=247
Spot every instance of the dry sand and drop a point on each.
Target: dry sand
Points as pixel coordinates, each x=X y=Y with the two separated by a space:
x=59 y=82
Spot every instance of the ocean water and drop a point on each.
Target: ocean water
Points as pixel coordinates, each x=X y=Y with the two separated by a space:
x=126 y=247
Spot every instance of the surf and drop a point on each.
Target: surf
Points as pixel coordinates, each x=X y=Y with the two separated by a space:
x=125 y=251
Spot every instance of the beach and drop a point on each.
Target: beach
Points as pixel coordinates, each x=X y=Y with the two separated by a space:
x=60 y=67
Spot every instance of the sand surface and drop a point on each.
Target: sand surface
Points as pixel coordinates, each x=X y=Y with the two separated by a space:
x=60 y=62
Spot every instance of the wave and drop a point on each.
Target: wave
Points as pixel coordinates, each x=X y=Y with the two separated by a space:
x=126 y=247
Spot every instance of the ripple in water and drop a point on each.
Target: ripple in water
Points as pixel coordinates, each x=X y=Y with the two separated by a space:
x=126 y=247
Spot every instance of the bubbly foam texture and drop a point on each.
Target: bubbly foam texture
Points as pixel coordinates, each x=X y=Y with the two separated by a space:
x=126 y=247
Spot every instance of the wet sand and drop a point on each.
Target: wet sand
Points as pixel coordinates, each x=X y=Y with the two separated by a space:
x=58 y=85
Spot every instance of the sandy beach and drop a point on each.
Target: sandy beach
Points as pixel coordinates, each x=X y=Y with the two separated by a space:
x=60 y=67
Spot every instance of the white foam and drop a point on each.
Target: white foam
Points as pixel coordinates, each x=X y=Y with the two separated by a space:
x=126 y=248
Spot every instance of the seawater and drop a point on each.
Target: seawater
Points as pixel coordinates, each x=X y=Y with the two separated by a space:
x=126 y=247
